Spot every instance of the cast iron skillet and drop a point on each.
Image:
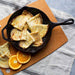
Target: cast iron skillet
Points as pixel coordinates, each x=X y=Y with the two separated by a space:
x=46 y=20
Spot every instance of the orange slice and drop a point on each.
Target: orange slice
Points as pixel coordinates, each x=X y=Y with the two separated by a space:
x=23 y=57
x=13 y=63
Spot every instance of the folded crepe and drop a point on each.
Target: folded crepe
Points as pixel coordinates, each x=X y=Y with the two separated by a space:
x=40 y=28
x=29 y=40
x=18 y=35
x=4 y=55
x=4 y=62
x=38 y=39
x=19 y=21
x=37 y=19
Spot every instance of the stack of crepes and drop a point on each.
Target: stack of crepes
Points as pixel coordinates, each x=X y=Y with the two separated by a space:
x=28 y=29
x=4 y=55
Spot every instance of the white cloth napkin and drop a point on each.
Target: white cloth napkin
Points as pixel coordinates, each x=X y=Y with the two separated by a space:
x=60 y=61
x=9 y=6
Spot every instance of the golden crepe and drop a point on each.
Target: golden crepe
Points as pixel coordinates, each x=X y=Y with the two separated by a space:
x=4 y=55
x=27 y=13
x=4 y=62
x=40 y=28
x=19 y=21
x=28 y=42
x=37 y=19
x=38 y=39
x=26 y=26
x=4 y=50
x=18 y=35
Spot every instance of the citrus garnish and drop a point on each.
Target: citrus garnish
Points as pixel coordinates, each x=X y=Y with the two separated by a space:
x=23 y=57
x=13 y=63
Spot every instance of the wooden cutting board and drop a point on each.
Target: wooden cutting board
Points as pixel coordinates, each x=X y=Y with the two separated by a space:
x=57 y=39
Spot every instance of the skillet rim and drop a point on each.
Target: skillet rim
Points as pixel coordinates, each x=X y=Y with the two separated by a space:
x=47 y=37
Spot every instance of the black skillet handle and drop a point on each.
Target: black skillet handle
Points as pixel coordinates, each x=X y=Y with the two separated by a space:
x=66 y=22
x=3 y=34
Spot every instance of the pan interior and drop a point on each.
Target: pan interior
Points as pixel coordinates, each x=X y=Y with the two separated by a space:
x=46 y=20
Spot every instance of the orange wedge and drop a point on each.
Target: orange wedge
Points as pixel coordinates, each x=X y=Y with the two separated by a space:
x=23 y=57
x=13 y=63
